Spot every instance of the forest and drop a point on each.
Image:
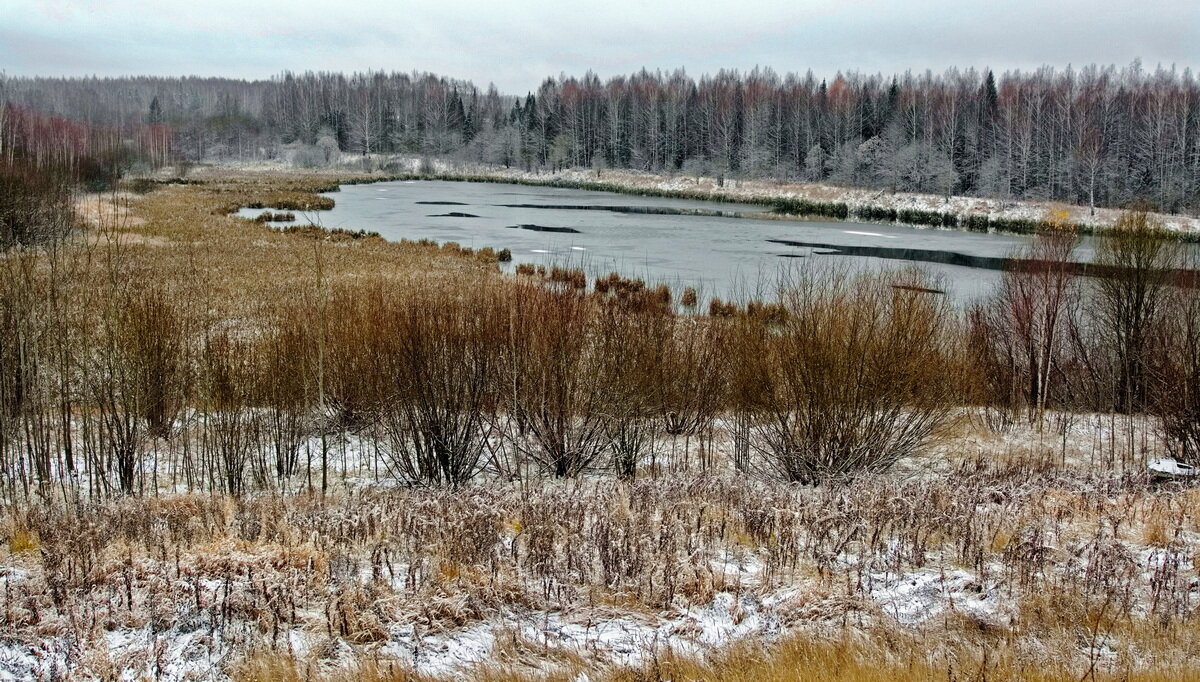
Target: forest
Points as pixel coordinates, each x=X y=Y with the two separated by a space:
x=1095 y=135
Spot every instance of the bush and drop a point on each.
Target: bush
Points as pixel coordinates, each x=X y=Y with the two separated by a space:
x=719 y=308
x=36 y=205
x=1015 y=225
x=440 y=364
x=862 y=375
x=931 y=218
x=1174 y=371
x=309 y=156
x=877 y=214
x=822 y=209
x=976 y=223
x=554 y=363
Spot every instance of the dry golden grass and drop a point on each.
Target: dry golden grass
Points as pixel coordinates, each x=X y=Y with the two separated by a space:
x=887 y=659
x=880 y=657
x=22 y=541
x=186 y=237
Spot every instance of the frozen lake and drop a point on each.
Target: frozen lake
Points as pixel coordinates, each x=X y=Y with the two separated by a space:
x=674 y=241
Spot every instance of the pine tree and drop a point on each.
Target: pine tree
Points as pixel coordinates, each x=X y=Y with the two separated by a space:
x=155 y=115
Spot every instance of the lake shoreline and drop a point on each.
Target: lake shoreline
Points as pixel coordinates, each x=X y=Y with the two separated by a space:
x=787 y=200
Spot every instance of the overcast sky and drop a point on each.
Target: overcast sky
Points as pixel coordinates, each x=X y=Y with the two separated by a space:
x=517 y=44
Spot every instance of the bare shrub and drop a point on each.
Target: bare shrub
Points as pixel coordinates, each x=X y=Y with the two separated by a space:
x=285 y=386
x=553 y=391
x=36 y=204
x=719 y=308
x=631 y=352
x=231 y=426
x=19 y=364
x=750 y=381
x=440 y=383
x=1022 y=333
x=1137 y=260
x=133 y=377
x=153 y=330
x=1174 y=371
x=864 y=375
x=571 y=277
x=693 y=374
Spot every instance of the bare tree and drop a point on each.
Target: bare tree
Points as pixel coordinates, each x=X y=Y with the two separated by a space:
x=1137 y=261
x=1030 y=313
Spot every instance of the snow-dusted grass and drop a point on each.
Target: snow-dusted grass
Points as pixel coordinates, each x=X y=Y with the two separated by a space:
x=854 y=198
x=1068 y=564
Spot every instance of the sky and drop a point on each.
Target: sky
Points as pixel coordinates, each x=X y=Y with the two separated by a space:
x=518 y=44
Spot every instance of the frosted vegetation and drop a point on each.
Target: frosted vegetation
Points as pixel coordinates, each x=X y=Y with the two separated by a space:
x=236 y=450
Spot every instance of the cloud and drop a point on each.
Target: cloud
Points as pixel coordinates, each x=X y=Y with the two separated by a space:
x=517 y=44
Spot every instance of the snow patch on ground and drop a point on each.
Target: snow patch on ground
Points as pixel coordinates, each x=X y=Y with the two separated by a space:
x=915 y=597
x=1173 y=468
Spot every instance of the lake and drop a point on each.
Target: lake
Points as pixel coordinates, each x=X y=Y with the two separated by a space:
x=679 y=242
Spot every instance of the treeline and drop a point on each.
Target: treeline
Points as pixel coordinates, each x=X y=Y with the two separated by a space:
x=45 y=158
x=123 y=383
x=1097 y=135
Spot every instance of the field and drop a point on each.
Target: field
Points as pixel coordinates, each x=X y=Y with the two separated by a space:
x=236 y=452
x=1000 y=563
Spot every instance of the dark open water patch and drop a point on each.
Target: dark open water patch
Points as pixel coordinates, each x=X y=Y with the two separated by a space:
x=917 y=289
x=441 y=203
x=1181 y=277
x=544 y=228
x=917 y=255
x=640 y=210
x=453 y=214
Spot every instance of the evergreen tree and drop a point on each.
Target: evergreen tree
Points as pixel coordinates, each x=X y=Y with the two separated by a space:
x=155 y=116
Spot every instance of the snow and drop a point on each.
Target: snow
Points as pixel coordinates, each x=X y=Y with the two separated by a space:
x=914 y=597
x=620 y=639
x=1171 y=467
x=441 y=654
x=624 y=639
x=746 y=601
x=172 y=656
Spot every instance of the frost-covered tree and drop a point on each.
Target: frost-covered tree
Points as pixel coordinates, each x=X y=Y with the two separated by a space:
x=920 y=168
x=874 y=163
x=1099 y=135
x=816 y=163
